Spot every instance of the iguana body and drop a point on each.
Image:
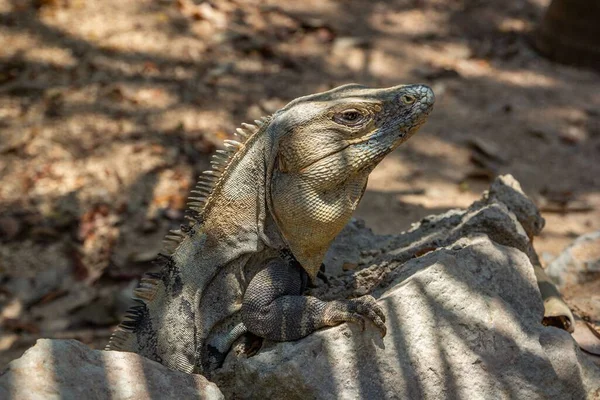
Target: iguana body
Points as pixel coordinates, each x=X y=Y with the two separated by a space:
x=261 y=223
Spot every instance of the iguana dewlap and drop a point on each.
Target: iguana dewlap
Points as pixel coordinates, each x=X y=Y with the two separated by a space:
x=261 y=222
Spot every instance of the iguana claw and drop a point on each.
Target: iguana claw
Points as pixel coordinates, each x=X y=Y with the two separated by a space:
x=356 y=310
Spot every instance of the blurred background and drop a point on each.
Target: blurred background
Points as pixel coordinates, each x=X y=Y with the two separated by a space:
x=110 y=109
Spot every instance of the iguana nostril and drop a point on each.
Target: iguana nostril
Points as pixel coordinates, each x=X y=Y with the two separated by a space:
x=417 y=94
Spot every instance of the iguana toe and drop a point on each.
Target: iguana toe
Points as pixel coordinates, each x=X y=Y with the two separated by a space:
x=356 y=310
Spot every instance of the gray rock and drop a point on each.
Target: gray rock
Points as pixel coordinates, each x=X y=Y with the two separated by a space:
x=578 y=263
x=67 y=369
x=355 y=244
x=505 y=189
x=463 y=321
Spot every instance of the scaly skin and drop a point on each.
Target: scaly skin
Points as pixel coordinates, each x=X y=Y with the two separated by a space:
x=259 y=230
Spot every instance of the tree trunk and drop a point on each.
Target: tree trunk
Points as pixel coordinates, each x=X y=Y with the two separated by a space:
x=570 y=32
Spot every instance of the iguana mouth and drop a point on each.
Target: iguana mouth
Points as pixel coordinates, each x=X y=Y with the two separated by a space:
x=374 y=134
x=307 y=167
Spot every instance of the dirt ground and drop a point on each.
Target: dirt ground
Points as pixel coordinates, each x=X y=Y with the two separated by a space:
x=109 y=109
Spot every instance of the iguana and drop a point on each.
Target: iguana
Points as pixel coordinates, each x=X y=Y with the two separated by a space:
x=261 y=222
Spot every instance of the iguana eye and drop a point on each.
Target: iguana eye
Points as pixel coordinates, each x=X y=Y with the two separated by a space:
x=349 y=117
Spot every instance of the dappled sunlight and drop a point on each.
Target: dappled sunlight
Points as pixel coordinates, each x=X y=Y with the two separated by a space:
x=470 y=334
x=499 y=273
x=418 y=345
x=65 y=176
x=109 y=110
x=340 y=378
x=553 y=239
x=519 y=78
x=119 y=377
x=404 y=168
x=52 y=56
x=314 y=8
x=411 y=23
x=460 y=321
x=396 y=188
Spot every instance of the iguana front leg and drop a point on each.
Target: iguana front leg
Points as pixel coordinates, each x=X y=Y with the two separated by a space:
x=274 y=307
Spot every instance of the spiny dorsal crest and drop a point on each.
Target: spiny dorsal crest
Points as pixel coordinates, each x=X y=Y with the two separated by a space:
x=209 y=180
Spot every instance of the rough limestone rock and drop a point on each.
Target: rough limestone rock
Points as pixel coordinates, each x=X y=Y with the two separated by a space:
x=67 y=369
x=580 y=262
x=464 y=317
x=463 y=322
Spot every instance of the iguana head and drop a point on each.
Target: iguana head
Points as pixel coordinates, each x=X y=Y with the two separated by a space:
x=351 y=124
x=326 y=145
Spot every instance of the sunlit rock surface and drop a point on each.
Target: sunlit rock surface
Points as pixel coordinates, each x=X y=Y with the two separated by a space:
x=463 y=322
x=578 y=263
x=67 y=369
